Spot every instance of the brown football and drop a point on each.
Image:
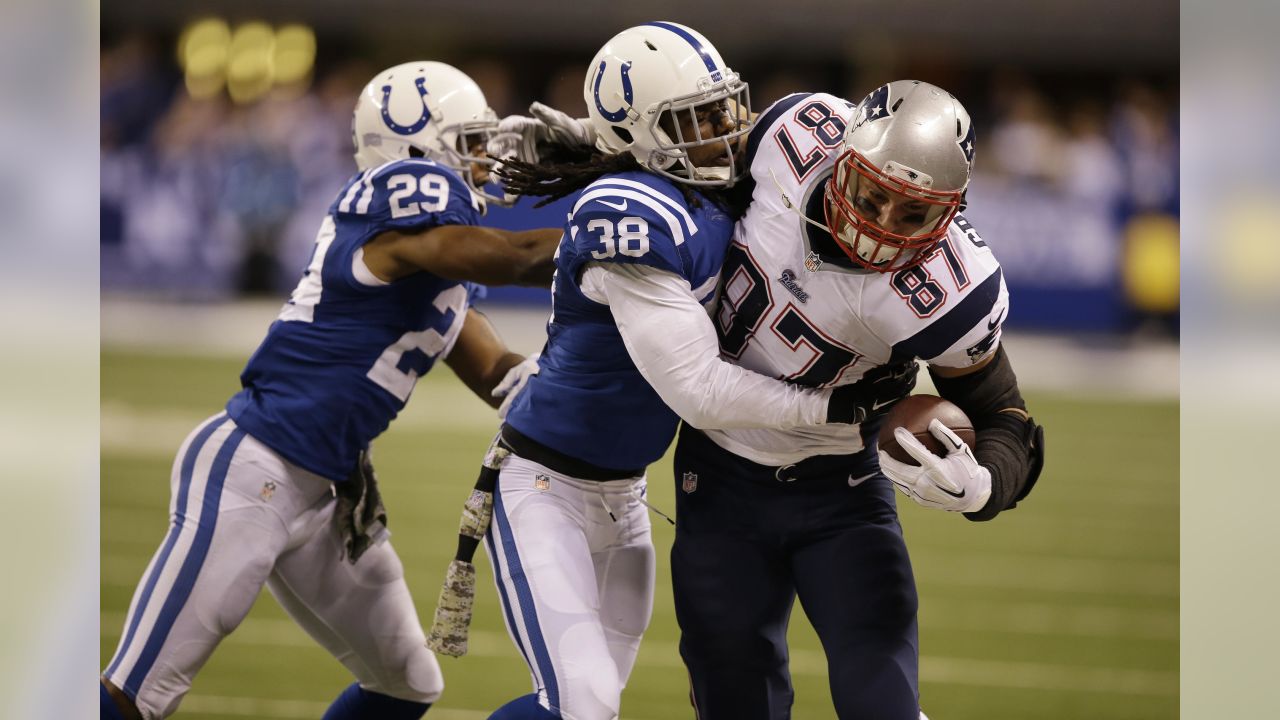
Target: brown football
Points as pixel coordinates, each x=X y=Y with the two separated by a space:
x=914 y=414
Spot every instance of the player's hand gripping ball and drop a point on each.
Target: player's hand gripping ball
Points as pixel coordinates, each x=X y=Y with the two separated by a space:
x=914 y=414
x=926 y=449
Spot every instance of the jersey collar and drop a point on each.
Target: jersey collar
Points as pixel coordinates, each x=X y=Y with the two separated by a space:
x=818 y=239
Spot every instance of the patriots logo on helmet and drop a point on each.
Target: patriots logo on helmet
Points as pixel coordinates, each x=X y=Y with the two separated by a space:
x=875 y=106
x=966 y=144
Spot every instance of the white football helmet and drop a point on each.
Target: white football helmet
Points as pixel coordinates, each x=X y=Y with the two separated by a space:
x=424 y=109
x=910 y=141
x=665 y=69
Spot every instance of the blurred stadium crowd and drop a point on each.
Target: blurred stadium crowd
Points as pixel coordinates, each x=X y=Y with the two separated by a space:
x=222 y=146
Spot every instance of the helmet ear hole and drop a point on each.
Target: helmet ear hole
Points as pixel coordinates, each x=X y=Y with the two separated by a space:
x=623 y=134
x=416 y=152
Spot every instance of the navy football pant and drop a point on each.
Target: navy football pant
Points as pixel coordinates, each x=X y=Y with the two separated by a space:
x=747 y=544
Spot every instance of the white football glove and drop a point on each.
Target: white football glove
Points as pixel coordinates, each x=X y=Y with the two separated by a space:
x=516 y=137
x=956 y=482
x=514 y=381
x=522 y=137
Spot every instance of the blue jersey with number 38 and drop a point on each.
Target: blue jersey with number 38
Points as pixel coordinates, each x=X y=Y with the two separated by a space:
x=341 y=359
x=589 y=401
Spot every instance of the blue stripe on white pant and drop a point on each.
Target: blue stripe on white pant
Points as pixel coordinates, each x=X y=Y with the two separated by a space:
x=174 y=570
x=533 y=645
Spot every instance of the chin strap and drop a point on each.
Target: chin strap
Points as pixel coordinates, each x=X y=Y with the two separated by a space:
x=786 y=200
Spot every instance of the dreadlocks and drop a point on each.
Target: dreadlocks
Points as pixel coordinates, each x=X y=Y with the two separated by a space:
x=568 y=169
x=562 y=174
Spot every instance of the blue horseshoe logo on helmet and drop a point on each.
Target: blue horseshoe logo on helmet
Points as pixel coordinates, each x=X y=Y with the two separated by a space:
x=627 y=95
x=418 y=124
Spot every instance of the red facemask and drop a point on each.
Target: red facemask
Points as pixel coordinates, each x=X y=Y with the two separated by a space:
x=893 y=251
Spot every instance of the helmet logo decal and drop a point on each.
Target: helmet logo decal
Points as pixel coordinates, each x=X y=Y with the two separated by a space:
x=627 y=94
x=966 y=144
x=418 y=124
x=875 y=106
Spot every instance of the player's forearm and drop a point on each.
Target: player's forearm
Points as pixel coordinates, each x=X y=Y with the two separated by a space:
x=716 y=395
x=495 y=374
x=536 y=250
x=1009 y=443
x=674 y=345
x=505 y=257
x=482 y=380
x=477 y=254
x=1006 y=448
x=480 y=358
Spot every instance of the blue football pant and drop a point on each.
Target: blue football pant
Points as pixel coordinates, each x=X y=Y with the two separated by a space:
x=747 y=545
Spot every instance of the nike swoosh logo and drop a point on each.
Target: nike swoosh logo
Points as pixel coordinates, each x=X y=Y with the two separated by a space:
x=991 y=325
x=853 y=481
x=957 y=496
x=619 y=207
x=886 y=403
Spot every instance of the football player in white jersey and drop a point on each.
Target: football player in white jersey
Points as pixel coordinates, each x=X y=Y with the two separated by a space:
x=277 y=490
x=851 y=256
x=630 y=352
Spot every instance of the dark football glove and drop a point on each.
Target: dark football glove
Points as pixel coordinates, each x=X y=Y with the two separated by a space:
x=359 y=513
x=873 y=394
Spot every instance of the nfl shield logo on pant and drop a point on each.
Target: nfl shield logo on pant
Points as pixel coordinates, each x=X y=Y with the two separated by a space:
x=690 y=482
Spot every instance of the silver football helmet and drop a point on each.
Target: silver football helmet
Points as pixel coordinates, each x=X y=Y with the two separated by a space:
x=425 y=109
x=904 y=164
x=664 y=70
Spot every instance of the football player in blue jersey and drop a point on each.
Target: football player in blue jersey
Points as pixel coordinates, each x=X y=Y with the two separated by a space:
x=630 y=352
x=277 y=490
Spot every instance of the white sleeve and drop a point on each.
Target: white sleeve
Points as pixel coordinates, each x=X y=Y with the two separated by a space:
x=672 y=342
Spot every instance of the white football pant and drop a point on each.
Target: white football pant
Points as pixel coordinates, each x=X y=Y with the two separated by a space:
x=240 y=517
x=576 y=585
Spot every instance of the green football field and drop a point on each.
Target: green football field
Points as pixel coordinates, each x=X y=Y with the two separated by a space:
x=1064 y=608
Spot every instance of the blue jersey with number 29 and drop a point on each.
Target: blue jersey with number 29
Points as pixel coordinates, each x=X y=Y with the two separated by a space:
x=341 y=359
x=589 y=401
